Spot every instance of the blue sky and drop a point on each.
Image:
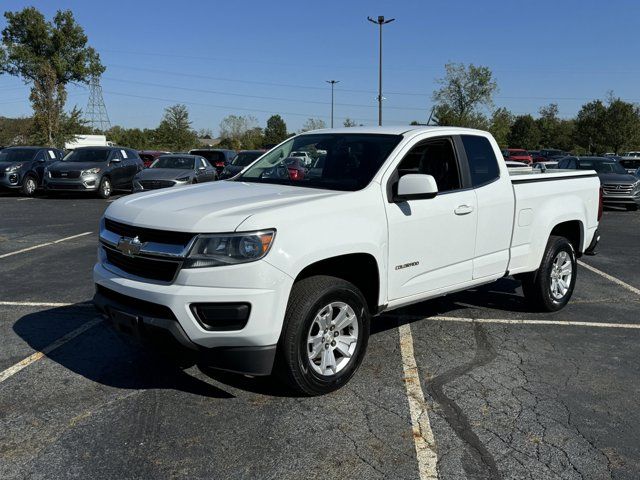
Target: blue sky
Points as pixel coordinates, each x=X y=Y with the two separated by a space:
x=259 y=58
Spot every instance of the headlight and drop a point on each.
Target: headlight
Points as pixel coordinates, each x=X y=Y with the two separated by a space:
x=13 y=168
x=229 y=249
x=91 y=171
x=183 y=179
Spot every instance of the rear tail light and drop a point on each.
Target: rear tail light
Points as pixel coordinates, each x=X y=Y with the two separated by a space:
x=219 y=164
x=600 y=204
x=294 y=174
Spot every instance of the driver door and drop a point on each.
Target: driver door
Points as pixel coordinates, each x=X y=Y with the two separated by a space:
x=432 y=241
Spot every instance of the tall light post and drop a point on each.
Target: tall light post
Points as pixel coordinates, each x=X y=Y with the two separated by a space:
x=380 y=21
x=333 y=84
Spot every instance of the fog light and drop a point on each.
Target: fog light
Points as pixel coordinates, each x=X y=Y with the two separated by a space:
x=13 y=178
x=221 y=316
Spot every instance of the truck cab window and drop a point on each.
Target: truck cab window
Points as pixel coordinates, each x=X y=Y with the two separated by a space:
x=436 y=158
x=483 y=165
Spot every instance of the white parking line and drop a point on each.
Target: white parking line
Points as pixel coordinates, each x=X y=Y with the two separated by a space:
x=564 y=323
x=610 y=278
x=422 y=435
x=12 y=370
x=5 y=255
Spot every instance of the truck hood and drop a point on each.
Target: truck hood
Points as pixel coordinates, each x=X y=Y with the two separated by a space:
x=163 y=174
x=618 y=178
x=208 y=207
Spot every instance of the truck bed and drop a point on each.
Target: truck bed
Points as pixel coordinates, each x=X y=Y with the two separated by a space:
x=539 y=197
x=528 y=175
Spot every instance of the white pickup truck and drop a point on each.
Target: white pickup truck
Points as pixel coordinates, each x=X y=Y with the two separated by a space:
x=275 y=271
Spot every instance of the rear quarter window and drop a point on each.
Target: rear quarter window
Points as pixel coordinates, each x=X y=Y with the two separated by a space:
x=483 y=165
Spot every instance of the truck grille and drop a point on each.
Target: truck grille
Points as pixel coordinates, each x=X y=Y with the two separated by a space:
x=148 y=234
x=155 y=184
x=617 y=189
x=145 y=267
x=67 y=174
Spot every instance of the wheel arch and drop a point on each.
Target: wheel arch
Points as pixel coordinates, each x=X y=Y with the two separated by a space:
x=360 y=269
x=572 y=230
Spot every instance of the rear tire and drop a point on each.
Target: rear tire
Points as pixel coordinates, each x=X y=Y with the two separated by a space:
x=29 y=186
x=550 y=287
x=632 y=208
x=325 y=335
x=105 y=189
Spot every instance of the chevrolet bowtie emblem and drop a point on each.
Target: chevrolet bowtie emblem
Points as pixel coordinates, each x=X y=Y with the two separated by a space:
x=130 y=246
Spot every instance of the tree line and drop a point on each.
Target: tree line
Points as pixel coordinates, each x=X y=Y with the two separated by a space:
x=609 y=125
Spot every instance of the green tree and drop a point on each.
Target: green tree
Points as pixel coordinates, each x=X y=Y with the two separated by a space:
x=548 y=125
x=15 y=131
x=524 y=133
x=500 y=125
x=463 y=90
x=174 y=132
x=313 y=124
x=238 y=132
x=589 y=127
x=130 y=137
x=622 y=124
x=47 y=56
x=349 y=123
x=275 y=131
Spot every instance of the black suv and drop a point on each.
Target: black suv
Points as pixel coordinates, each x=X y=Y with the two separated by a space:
x=218 y=157
x=22 y=168
x=94 y=169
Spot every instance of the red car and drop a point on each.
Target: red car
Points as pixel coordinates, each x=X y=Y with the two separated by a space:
x=150 y=156
x=517 y=155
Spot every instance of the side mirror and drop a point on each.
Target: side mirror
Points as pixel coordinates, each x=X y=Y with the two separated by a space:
x=115 y=160
x=202 y=168
x=416 y=186
x=41 y=160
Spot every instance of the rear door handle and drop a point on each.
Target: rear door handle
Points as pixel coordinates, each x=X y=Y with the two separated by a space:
x=463 y=210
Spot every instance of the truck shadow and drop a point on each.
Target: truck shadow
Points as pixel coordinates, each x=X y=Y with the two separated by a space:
x=102 y=356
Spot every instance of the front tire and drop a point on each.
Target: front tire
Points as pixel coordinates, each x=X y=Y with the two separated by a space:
x=550 y=287
x=325 y=335
x=29 y=186
x=105 y=189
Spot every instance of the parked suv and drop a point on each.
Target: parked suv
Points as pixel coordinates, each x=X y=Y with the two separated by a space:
x=22 y=168
x=217 y=157
x=619 y=187
x=94 y=169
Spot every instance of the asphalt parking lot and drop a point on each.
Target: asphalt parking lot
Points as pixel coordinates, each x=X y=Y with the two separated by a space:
x=473 y=385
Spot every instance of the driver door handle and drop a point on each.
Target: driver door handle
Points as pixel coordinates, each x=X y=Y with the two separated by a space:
x=463 y=210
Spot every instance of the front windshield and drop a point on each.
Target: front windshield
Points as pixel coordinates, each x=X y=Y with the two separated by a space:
x=339 y=161
x=89 y=155
x=17 y=154
x=601 y=166
x=182 y=163
x=245 y=158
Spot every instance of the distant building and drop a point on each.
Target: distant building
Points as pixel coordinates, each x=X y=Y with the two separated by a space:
x=87 y=141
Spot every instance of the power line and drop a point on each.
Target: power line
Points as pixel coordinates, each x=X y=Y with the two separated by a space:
x=227 y=107
x=347 y=90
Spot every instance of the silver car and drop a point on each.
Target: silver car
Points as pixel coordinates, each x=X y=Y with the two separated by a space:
x=174 y=170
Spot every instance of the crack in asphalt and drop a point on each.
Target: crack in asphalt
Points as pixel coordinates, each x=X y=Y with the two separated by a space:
x=479 y=461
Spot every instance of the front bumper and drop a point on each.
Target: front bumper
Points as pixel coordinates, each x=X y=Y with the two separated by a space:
x=612 y=199
x=87 y=183
x=250 y=350
x=11 y=179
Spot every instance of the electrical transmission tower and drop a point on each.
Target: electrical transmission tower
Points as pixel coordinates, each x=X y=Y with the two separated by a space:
x=96 y=110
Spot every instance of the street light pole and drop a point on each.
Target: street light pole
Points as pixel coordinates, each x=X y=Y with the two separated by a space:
x=380 y=21
x=333 y=83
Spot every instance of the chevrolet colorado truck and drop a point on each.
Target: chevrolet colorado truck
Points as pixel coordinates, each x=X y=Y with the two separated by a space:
x=266 y=273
